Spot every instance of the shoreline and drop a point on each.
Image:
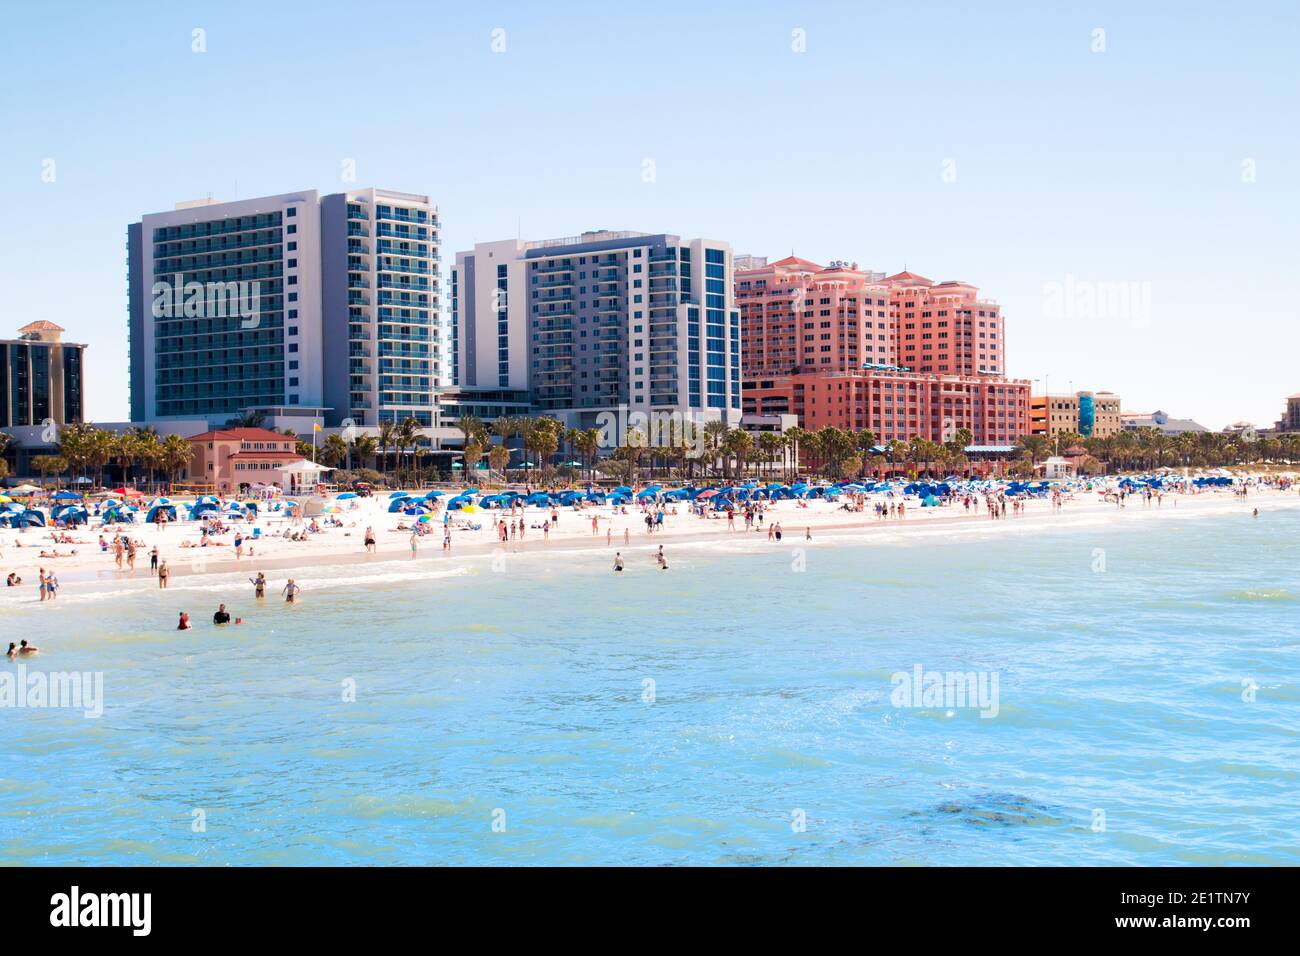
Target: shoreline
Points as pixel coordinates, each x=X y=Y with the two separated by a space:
x=341 y=547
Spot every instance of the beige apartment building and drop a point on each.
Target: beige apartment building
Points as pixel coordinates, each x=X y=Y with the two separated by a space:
x=1090 y=414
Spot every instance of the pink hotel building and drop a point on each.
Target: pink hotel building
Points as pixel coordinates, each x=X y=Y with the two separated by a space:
x=899 y=355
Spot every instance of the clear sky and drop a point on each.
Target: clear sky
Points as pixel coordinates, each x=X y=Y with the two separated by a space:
x=989 y=142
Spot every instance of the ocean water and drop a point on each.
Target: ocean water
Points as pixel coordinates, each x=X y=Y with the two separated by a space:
x=739 y=708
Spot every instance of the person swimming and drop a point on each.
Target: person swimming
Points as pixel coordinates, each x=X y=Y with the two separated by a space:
x=222 y=616
x=618 y=561
x=13 y=650
x=27 y=650
x=184 y=623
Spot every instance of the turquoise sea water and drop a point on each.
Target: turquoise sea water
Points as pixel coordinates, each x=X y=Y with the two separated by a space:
x=518 y=695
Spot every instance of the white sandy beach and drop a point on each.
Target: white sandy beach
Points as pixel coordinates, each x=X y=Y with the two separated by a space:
x=827 y=522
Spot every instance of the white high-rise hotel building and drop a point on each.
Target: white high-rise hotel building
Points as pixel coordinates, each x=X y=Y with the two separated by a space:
x=600 y=321
x=346 y=311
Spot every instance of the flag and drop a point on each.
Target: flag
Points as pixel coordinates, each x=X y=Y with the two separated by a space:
x=315 y=426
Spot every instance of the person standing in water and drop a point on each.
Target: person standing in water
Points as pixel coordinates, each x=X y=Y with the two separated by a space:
x=290 y=592
x=259 y=585
x=618 y=561
x=162 y=575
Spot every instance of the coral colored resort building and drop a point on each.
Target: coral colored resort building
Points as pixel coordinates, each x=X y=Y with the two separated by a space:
x=230 y=458
x=901 y=355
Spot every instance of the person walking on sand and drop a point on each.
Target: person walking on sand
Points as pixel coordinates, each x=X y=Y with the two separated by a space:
x=41 y=584
x=239 y=545
x=162 y=575
x=415 y=542
x=609 y=535
x=370 y=539
x=153 y=560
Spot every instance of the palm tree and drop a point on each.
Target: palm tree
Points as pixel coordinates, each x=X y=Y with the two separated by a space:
x=73 y=443
x=894 y=449
x=769 y=443
x=541 y=437
x=387 y=439
x=362 y=449
x=810 y=447
x=249 y=418
x=47 y=465
x=736 y=445
x=630 y=452
x=714 y=433
x=472 y=429
x=866 y=441
x=473 y=454
x=498 y=457
x=177 y=453
x=100 y=448
x=1035 y=446
x=588 y=445
x=334 y=450
x=836 y=447
x=408 y=435
x=794 y=440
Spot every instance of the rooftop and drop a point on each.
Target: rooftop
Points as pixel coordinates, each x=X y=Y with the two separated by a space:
x=242 y=434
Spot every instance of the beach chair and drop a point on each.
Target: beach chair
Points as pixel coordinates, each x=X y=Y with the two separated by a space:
x=257 y=533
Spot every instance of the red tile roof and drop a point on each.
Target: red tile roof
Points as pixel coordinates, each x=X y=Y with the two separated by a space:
x=41 y=325
x=242 y=434
x=796 y=262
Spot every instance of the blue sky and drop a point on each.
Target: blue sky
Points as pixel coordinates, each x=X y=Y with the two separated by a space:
x=1126 y=168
